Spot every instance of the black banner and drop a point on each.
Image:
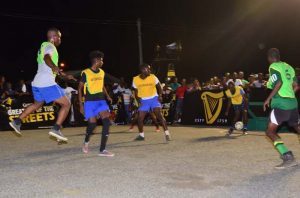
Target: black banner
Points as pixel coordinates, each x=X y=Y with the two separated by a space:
x=43 y=117
x=205 y=108
x=46 y=115
x=199 y=108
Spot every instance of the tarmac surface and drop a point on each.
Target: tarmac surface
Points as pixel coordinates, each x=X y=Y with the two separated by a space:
x=199 y=162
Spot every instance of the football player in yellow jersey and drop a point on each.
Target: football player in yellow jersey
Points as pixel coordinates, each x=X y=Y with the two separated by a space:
x=134 y=116
x=148 y=92
x=237 y=98
x=92 y=82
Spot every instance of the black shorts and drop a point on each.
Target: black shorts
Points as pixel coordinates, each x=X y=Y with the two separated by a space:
x=278 y=116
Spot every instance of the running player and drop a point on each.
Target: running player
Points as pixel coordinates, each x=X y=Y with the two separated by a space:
x=92 y=85
x=236 y=98
x=146 y=87
x=44 y=87
x=284 y=105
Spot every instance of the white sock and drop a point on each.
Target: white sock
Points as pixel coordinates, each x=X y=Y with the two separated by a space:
x=167 y=132
x=142 y=134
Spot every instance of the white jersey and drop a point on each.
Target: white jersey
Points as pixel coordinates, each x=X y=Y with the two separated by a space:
x=45 y=76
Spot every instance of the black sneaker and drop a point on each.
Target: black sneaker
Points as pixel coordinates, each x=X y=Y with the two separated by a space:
x=168 y=138
x=245 y=131
x=288 y=161
x=58 y=135
x=16 y=127
x=139 y=138
x=230 y=131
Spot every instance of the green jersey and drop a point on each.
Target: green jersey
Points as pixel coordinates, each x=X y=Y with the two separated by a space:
x=45 y=76
x=285 y=97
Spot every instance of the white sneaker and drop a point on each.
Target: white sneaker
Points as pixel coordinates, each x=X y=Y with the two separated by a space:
x=106 y=153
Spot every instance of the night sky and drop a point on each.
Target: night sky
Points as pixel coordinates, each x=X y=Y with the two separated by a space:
x=217 y=35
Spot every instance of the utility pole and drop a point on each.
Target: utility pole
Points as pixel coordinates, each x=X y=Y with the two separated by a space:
x=140 y=40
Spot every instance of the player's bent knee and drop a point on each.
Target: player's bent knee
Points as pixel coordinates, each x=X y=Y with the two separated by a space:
x=91 y=127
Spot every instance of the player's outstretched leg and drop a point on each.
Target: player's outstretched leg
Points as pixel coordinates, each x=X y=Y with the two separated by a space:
x=159 y=116
x=17 y=123
x=62 y=114
x=141 y=117
x=286 y=155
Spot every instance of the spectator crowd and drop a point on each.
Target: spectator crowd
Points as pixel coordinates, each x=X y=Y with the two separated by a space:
x=123 y=95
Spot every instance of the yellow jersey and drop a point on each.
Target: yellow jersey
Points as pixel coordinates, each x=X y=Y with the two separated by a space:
x=146 y=87
x=237 y=97
x=93 y=84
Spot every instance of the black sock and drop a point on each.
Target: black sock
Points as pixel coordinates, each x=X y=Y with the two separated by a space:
x=89 y=130
x=104 y=139
x=56 y=127
x=105 y=133
x=18 y=121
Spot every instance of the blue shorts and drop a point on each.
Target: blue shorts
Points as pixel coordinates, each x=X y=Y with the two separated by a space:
x=149 y=104
x=93 y=108
x=47 y=94
x=240 y=107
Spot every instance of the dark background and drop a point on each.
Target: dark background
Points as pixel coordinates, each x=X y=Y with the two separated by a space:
x=216 y=35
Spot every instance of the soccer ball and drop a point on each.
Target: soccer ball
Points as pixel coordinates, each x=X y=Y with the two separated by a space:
x=239 y=125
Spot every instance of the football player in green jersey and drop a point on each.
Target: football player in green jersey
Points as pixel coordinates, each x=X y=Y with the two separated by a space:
x=283 y=102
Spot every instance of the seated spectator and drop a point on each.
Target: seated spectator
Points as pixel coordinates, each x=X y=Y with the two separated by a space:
x=260 y=82
x=174 y=84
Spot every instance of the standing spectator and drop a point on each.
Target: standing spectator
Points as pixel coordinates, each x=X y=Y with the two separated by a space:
x=240 y=81
x=9 y=92
x=213 y=84
x=127 y=96
x=22 y=88
x=119 y=89
x=174 y=85
x=2 y=88
x=180 y=96
x=260 y=82
x=196 y=85
x=69 y=91
x=235 y=76
x=166 y=94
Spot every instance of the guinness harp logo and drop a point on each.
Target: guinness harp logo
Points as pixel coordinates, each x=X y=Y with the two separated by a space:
x=212 y=105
